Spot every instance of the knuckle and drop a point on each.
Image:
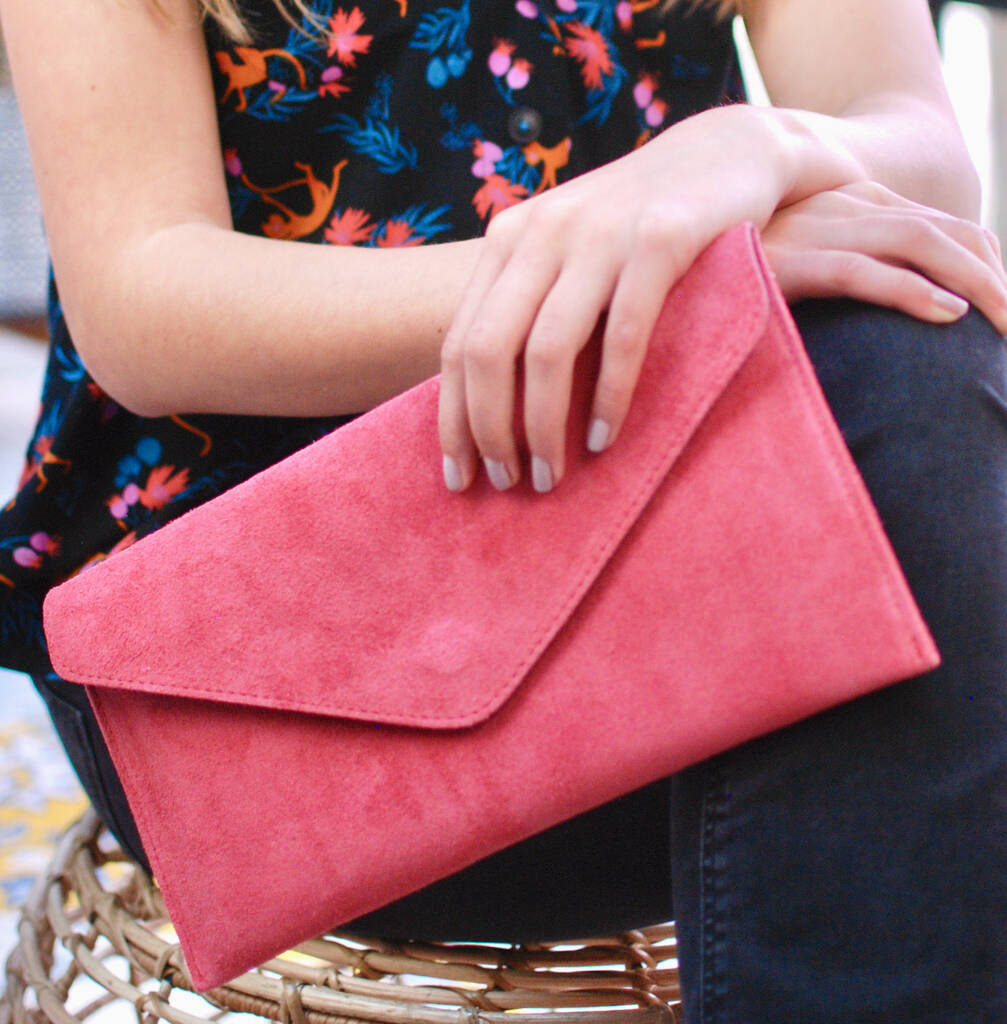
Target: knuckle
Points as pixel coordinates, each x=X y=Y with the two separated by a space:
x=542 y=428
x=545 y=354
x=614 y=393
x=452 y=356
x=918 y=233
x=554 y=217
x=660 y=228
x=482 y=348
x=624 y=342
x=504 y=229
x=490 y=435
x=875 y=191
x=849 y=269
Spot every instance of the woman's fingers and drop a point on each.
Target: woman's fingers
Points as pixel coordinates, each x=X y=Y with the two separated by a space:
x=842 y=273
x=460 y=455
x=553 y=265
x=850 y=240
x=564 y=324
x=654 y=265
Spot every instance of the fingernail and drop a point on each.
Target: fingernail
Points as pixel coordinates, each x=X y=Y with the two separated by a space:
x=948 y=303
x=452 y=474
x=541 y=474
x=498 y=473
x=597 y=436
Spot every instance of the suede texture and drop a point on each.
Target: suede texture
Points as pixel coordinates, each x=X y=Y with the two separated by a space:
x=352 y=682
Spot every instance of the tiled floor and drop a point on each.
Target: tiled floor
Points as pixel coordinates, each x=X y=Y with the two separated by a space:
x=39 y=794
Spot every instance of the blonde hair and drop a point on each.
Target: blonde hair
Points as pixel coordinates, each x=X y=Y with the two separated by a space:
x=227 y=15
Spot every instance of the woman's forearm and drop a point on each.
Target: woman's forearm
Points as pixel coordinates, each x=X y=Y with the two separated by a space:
x=210 y=320
x=215 y=321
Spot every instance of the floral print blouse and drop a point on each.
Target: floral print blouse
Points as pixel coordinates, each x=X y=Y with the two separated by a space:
x=382 y=123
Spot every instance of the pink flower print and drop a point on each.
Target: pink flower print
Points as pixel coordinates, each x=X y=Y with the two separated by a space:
x=231 y=162
x=526 y=8
x=275 y=86
x=499 y=58
x=517 y=77
x=117 y=507
x=624 y=15
x=568 y=6
x=131 y=494
x=643 y=91
x=331 y=86
x=45 y=544
x=27 y=558
x=487 y=153
x=656 y=112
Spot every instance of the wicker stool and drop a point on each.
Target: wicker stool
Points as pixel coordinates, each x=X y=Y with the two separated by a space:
x=94 y=933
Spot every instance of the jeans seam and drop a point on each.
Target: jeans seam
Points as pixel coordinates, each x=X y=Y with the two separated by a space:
x=713 y=888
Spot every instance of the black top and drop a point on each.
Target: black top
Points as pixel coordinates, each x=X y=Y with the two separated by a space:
x=413 y=122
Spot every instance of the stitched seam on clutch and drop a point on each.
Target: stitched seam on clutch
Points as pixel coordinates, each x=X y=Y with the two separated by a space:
x=753 y=288
x=838 y=458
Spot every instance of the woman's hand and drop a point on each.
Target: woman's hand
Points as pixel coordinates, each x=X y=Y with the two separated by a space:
x=866 y=242
x=616 y=238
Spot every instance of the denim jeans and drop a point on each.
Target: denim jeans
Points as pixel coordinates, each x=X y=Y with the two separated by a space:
x=851 y=868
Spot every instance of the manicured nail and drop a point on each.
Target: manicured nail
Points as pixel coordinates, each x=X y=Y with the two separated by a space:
x=498 y=473
x=948 y=303
x=541 y=474
x=597 y=436
x=452 y=474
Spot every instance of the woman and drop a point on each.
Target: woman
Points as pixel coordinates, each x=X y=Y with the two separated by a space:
x=847 y=869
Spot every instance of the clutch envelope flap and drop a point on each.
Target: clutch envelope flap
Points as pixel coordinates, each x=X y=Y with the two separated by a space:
x=347 y=581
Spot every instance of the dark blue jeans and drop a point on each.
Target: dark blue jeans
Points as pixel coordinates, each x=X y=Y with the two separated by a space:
x=851 y=868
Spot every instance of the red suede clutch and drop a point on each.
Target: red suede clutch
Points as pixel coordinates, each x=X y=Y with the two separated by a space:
x=339 y=682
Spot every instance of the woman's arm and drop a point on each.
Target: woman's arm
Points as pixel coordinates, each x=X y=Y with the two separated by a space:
x=172 y=310
x=858 y=180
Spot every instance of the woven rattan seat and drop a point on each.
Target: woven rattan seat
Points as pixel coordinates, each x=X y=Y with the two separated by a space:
x=94 y=934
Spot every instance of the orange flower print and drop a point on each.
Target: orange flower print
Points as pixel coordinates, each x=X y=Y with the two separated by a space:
x=162 y=486
x=348 y=227
x=344 y=40
x=398 y=235
x=590 y=48
x=497 y=194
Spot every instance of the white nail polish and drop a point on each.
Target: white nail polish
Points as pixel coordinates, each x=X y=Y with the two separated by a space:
x=498 y=474
x=948 y=303
x=452 y=474
x=597 y=436
x=541 y=474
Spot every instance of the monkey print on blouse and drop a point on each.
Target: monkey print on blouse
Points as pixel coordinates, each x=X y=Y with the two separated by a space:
x=376 y=123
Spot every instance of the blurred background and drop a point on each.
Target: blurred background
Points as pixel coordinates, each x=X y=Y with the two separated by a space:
x=38 y=793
